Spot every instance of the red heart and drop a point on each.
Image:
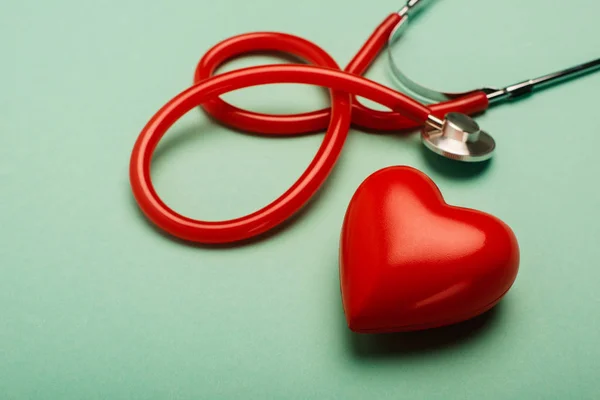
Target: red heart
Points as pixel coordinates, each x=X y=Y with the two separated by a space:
x=409 y=261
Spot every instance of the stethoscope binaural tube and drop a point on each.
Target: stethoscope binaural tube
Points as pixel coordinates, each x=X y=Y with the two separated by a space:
x=494 y=95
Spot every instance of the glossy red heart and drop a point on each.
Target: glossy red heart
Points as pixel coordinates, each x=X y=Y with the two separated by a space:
x=410 y=261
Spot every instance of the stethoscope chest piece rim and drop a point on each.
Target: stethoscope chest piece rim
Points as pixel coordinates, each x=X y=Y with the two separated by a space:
x=458 y=137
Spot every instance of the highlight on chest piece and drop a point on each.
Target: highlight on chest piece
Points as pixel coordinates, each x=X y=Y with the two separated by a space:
x=457 y=137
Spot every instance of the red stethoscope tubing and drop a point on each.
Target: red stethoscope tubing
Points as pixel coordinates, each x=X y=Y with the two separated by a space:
x=344 y=87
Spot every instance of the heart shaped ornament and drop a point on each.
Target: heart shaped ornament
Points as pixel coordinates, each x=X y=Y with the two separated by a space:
x=410 y=261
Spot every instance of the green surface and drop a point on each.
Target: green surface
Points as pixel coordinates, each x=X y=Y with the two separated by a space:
x=96 y=304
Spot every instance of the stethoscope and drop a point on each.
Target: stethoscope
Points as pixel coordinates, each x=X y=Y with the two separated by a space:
x=447 y=128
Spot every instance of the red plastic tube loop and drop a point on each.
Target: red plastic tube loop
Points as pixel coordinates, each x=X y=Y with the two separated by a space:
x=254 y=122
x=341 y=83
x=345 y=110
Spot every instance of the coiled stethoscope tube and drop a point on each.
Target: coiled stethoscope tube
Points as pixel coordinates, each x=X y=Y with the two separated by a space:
x=447 y=128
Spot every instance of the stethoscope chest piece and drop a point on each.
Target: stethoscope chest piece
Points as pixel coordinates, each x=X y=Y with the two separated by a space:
x=458 y=137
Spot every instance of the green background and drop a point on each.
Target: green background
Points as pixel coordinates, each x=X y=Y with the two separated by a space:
x=96 y=304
